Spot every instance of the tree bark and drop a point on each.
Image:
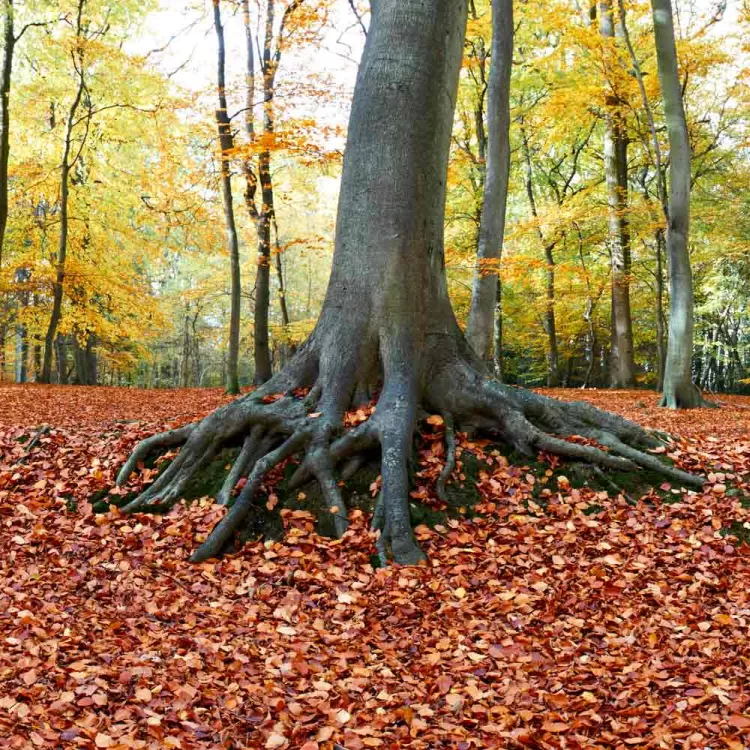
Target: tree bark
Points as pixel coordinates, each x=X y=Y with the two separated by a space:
x=679 y=390
x=84 y=358
x=387 y=321
x=499 y=362
x=661 y=348
x=61 y=351
x=226 y=143
x=484 y=296
x=622 y=364
x=22 y=354
x=265 y=217
x=58 y=287
x=263 y=278
x=550 y=323
x=6 y=75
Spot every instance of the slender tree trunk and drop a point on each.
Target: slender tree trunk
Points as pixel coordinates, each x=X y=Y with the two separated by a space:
x=58 y=287
x=6 y=78
x=550 y=324
x=22 y=350
x=622 y=373
x=499 y=364
x=661 y=344
x=285 y=319
x=37 y=351
x=226 y=142
x=484 y=296
x=679 y=390
x=266 y=214
x=61 y=350
x=287 y=348
x=6 y=75
x=264 y=217
x=263 y=277
x=185 y=361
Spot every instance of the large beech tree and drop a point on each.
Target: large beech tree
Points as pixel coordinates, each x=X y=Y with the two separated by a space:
x=387 y=322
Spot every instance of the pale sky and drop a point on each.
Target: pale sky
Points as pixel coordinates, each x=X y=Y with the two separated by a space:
x=186 y=32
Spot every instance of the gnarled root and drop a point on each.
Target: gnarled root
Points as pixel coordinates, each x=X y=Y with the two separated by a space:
x=271 y=430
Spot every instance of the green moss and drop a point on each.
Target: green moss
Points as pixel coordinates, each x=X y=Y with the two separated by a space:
x=210 y=479
x=738 y=529
x=71 y=504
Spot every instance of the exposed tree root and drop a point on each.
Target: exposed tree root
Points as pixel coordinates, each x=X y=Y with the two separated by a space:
x=272 y=428
x=450 y=458
x=43 y=430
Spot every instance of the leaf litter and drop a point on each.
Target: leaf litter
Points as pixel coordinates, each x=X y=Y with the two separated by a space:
x=594 y=621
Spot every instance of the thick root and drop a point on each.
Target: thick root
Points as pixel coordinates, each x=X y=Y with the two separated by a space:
x=149 y=445
x=395 y=423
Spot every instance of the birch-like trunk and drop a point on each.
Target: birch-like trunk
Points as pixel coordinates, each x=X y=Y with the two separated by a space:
x=679 y=390
x=481 y=330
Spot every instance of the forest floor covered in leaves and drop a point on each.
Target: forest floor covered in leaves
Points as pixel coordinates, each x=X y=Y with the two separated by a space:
x=561 y=618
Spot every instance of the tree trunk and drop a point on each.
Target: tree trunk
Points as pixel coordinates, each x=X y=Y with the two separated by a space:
x=661 y=349
x=185 y=360
x=679 y=390
x=226 y=142
x=61 y=350
x=266 y=213
x=58 y=287
x=387 y=320
x=550 y=324
x=265 y=216
x=263 y=368
x=85 y=360
x=22 y=354
x=622 y=373
x=484 y=294
x=6 y=74
x=499 y=366
x=285 y=319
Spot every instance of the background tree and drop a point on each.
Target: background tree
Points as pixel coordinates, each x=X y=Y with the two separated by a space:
x=67 y=163
x=264 y=217
x=485 y=290
x=616 y=174
x=226 y=144
x=146 y=206
x=679 y=390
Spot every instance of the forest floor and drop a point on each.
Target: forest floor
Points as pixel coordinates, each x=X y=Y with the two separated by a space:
x=561 y=618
